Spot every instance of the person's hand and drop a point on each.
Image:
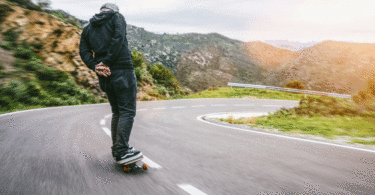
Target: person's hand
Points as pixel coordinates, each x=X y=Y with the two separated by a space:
x=102 y=69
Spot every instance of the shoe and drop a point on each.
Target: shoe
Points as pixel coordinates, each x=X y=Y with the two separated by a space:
x=131 y=155
x=114 y=154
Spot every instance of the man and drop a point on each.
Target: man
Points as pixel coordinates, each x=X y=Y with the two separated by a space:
x=104 y=49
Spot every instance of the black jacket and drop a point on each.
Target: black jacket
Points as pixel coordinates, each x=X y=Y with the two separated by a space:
x=106 y=36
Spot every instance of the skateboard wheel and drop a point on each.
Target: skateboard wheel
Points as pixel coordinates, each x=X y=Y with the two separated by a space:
x=144 y=166
x=126 y=169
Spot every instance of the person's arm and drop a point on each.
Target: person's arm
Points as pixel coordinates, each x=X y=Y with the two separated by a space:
x=85 y=51
x=117 y=40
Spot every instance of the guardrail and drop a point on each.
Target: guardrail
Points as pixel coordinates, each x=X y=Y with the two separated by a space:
x=289 y=90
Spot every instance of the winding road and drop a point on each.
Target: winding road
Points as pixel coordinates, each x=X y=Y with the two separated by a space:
x=66 y=150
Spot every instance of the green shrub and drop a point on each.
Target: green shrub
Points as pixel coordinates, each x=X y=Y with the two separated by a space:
x=362 y=96
x=16 y=89
x=162 y=91
x=2 y=67
x=145 y=97
x=28 y=4
x=23 y=53
x=37 y=46
x=163 y=76
x=6 y=101
x=295 y=85
x=137 y=59
x=34 y=89
x=47 y=73
x=326 y=106
x=12 y=36
x=33 y=65
x=7 y=45
x=19 y=63
x=34 y=101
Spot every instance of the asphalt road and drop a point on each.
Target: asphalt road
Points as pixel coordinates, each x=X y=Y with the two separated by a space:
x=66 y=150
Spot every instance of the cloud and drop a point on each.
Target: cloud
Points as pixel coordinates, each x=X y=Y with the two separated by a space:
x=245 y=20
x=193 y=17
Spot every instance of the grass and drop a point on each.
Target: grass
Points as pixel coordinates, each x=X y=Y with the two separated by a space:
x=330 y=128
x=326 y=117
x=227 y=92
x=364 y=142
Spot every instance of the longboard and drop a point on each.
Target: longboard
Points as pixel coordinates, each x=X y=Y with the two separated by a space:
x=130 y=166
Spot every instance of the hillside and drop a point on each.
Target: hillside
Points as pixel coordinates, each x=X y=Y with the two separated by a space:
x=329 y=66
x=268 y=56
x=193 y=56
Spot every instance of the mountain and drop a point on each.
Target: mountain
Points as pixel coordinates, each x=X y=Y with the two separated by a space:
x=57 y=39
x=290 y=45
x=268 y=56
x=199 y=61
x=329 y=66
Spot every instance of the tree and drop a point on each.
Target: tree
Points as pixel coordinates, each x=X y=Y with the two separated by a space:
x=44 y=4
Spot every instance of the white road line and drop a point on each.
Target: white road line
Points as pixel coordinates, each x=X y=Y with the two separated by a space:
x=107 y=131
x=218 y=105
x=146 y=160
x=272 y=105
x=141 y=109
x=243 y=104
x=191 y=189
x=102 y=122
x=159 y=108
x=198 y=106
x=200 y=118
x=151 y=163
x=108 y=116
x=179 y=107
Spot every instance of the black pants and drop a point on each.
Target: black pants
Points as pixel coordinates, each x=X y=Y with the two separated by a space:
x=121 y=90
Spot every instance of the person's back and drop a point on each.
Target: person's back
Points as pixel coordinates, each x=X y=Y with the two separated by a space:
x=106 y=37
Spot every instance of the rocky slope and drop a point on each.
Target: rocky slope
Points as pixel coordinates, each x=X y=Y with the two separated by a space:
x=199 y=61
x=58 y=42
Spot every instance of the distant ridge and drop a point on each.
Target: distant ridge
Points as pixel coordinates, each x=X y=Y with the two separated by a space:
x=330 y=66
x=268 y=56
x=290 y=45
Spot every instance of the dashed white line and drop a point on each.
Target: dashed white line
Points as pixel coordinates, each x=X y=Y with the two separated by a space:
x=107 y=131
x=198 y=106
x=160 y=108
x=243 y=104
x=146 y=160
x=179 y=107
x=191 y=189
x=218 y=105
x=102 y=122
x=151 y=163
x=272 y=105
x=108 y=116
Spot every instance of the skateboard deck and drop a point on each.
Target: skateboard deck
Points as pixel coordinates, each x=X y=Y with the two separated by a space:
x=130 y=166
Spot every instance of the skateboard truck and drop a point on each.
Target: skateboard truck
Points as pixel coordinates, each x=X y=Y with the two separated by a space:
x=133 y=166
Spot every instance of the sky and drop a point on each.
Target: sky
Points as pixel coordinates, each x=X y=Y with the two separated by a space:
x=244 y=20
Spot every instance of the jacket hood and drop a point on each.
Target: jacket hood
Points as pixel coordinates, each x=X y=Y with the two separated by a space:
x=101 y=18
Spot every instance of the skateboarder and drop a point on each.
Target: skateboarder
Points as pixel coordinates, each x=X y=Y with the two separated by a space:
x=104 y=49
